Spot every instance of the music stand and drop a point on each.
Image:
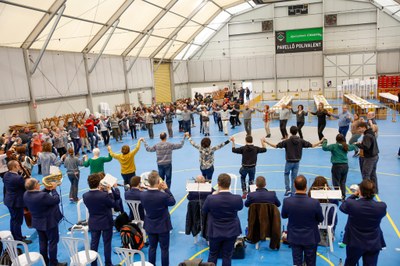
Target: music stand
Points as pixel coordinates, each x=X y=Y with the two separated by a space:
x=326 y=194
x=198 y=187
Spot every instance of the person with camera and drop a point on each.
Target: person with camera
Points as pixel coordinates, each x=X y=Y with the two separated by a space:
x=157 y=221
x=363 y=235
x=46 y=214
x=99 y=201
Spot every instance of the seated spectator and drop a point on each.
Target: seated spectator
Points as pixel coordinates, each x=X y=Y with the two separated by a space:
x=134 y=194
x=262 y=195
x=319 y=183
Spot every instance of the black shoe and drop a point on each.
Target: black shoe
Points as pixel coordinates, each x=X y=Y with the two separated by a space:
x=62 y=264
x=269 y=135
x=288 y=193
x=27 y=241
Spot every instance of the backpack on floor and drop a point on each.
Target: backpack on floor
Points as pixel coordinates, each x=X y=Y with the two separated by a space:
x=121 y=220
x=239 y=248
x=131 y=237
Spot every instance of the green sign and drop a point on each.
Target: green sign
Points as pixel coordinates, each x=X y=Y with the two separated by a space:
x=305 y=35
x=302 y=40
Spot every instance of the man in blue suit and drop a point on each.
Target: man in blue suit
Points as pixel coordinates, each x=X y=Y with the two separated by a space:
x=262 y=195
x=157 y=221
x=223 y=222
x=134 y=194
x=363 y=235
x=46 y=215
x=100 y=200
x=14 y=199
x=304 y=215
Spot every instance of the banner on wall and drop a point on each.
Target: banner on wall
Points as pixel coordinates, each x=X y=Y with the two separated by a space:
x=295 y=41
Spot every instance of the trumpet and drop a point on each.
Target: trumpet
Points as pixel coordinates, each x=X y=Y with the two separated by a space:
x=56 y=178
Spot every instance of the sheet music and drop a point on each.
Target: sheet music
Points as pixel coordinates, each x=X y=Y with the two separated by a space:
x=198 y=187
x=326 y=194
x=253 y=188
x=109 y=179
x=54 y=170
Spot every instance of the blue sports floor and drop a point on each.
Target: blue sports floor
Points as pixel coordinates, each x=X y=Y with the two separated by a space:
x=185 y=166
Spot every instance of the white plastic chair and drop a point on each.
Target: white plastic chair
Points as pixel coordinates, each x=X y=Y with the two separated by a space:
x=326 y=208
x=127 y=257
x=6 y=235
x=25 y=259
x=80 y=258
x=234 y=179
x=81 y=228
x=134 y=206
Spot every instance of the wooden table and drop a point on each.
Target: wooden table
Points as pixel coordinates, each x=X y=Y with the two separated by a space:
x=287 y=100
x=362 y=106
x=321 y=99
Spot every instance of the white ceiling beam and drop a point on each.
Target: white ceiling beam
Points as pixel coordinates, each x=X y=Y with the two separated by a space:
x=117 y=14
x=42 y=24
x=150 y=26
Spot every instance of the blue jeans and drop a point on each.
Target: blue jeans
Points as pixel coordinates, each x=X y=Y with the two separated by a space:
x=165 y=172
x=243 y=173
x=343 y=130
x=294 y=168
x=187 y=126
x=93 y=143
x=208 y=173
x=368 y=170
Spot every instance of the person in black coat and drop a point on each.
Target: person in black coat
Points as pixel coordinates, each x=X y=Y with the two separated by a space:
x=157 y=221
x=46 y=215
x=223 y=222
x=321 y=114
x=14 y=184
x=262 y=195
x=363 y=235
x=134 y=194
x=304 y=215
x=100 y=201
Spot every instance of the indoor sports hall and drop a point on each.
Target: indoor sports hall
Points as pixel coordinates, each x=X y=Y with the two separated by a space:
x=63 y=60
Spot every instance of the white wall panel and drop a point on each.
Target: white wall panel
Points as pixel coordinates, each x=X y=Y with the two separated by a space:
x=12 y=114
x=299 y=64
x=181 y=91
x=60 y=106
x=196 y=71
x=144 y=96
x=181 y=72
x=114 y=98
x=108 y=74
x=59 y=74
x=13 y=85
x=388 y=32
x=141 y=75
x=350 y=38
x=388 y=62
x=225 y=69
x=349 y=66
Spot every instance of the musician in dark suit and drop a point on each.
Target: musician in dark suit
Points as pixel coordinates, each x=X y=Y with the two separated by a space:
x=363 y=235
x=134 y=194
x=13 y=199
x=304 y=215
x=223 y=222
x=262 y=195
x=157 y=221
x=100 y=200
x=46 y=215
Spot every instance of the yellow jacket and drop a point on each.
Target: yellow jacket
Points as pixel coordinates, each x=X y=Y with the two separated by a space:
x=127 y=161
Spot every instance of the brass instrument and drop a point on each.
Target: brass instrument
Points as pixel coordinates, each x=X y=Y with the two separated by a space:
x=56 y=178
